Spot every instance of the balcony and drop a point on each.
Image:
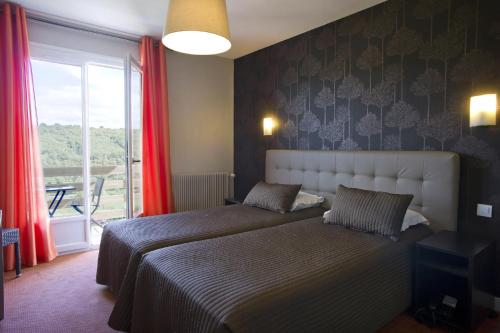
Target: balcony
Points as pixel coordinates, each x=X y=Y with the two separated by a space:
x=113 y=198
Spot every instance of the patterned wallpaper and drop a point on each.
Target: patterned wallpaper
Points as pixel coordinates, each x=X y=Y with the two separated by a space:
x=397 y=76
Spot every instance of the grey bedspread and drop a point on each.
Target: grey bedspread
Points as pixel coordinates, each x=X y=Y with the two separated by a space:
x=123 y=243
x=304 y=276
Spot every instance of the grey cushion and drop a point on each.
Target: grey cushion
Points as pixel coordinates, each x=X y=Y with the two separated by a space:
x=275 y=197
x=370 y=211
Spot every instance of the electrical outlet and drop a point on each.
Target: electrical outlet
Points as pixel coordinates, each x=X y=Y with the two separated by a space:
x=484 y=210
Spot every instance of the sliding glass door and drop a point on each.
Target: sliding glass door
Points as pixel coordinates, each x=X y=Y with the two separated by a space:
x=89 y=110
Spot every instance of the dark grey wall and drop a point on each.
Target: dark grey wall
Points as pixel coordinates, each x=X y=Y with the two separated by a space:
x=395 y=76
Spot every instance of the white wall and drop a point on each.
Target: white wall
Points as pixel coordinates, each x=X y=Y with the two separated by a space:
x=201 y=113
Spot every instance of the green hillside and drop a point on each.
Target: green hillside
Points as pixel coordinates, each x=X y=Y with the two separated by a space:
x=61 y=145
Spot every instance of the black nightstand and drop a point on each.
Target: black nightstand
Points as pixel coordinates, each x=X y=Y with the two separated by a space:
x=461 y=267
x=231 y=201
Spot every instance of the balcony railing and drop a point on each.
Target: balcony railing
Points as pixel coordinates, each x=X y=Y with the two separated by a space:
x=113 y=198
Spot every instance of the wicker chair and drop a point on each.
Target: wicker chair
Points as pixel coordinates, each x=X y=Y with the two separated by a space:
x=1 y=275
x=11 y=236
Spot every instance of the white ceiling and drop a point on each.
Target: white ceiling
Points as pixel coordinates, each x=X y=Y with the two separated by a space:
x=254 y=24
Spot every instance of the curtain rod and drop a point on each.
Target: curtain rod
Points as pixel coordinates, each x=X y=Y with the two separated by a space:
x=58 y=21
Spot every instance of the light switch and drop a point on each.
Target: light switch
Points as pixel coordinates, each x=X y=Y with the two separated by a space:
x=484 y=210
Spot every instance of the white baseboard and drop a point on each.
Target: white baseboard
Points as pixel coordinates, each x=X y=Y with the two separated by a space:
x=72 y=247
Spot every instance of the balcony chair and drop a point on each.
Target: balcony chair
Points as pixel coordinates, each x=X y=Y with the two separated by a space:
x=94 y=204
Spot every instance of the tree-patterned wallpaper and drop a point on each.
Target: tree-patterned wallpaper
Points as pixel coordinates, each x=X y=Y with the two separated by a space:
x=397 y=76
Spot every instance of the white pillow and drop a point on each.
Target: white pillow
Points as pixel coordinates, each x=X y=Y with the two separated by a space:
x=411 y=218
x=305 y=200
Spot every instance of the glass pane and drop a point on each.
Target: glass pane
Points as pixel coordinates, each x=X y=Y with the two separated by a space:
x=58 y=99
x=107 y=145
x=136 y=125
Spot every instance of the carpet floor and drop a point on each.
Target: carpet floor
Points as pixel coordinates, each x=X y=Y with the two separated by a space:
x=58 y=297
x=62 y=297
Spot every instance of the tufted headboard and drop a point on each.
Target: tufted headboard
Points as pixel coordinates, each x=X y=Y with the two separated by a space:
x=432 y=177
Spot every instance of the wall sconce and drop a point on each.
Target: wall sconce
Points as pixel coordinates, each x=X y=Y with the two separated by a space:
x=483 y=110
x=268 y=125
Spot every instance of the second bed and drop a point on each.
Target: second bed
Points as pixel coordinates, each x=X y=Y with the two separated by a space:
x=303 y=276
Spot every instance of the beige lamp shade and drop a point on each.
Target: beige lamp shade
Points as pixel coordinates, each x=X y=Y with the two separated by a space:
x=268 y=126
x=483 y=110
x=197 y=27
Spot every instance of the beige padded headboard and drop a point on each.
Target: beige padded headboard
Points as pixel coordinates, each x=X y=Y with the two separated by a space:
x=432 y=177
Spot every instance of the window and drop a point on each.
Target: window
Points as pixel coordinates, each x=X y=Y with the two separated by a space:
x=83 y=119
x=106 y=109
x=58 y=97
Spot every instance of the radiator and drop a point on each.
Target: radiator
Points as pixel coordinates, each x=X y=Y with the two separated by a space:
x=202 y=190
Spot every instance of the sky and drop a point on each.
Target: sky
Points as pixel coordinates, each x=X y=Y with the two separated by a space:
x=58 y=94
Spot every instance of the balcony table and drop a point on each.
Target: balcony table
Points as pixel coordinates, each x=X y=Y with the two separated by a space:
x=60 y=192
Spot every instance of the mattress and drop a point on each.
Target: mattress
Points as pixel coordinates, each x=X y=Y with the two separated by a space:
x=304 y=276
x=123 y=243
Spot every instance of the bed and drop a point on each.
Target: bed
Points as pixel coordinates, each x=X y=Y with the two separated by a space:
x=300 y=276
x=291 y=278
x=123 y=243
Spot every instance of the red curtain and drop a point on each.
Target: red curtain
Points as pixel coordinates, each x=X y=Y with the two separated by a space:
x=156 y=175
x=22 y=189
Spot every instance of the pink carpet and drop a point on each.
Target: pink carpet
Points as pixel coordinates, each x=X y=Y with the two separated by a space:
x=61 y=296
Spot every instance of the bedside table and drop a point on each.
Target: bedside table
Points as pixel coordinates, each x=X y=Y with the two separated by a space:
x=454 y=265
x=231 y=201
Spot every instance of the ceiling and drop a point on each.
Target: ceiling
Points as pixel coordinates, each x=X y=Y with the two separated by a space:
x=254 y=24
